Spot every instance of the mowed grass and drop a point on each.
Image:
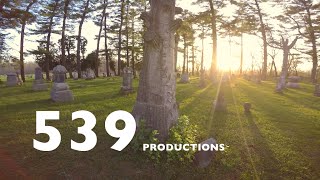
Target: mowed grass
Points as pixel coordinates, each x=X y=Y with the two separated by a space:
x=280 y=139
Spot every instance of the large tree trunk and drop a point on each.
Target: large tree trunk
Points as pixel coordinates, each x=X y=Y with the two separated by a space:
x=127 y=34
x=156 y=101
x=119 y=38
x=98 y=39
x=214 y=39
x=24 y=21
x=63 y=33
x=83 y=16
x=265 y=45
x=286 y=50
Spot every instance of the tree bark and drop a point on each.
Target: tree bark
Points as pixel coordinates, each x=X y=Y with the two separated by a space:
x=214 y=39
x=193 y=61
x=106 y=45
x=314 y=47
x=98 y=39
x=184 y=55
x=265 y=45
x=176 y=52
x=156 y=101
x=83 y=16
x=119 y=37
x=47 y=56
x=132 y=48
x=24 y=21
x=286 y=50
x=63 y=33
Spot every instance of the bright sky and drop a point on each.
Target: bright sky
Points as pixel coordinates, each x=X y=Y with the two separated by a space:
x=228 y=56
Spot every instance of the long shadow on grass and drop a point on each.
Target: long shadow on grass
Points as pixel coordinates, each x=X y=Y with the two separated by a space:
x=268 y=163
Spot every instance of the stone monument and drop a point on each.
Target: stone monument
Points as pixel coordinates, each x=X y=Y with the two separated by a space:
x=60 y=90
x=126 y=87
x=246 y=107
x=293 y=82
x=90 y=74
x=75 y=75
x=317 y=90
x=203 y=158
x=184 y=78
x=38 y=83
x=12 y=80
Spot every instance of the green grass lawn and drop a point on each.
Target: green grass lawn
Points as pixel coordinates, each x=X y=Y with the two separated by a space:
x=280 y=139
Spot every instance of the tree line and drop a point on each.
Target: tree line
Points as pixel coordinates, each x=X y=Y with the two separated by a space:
x=120 y=31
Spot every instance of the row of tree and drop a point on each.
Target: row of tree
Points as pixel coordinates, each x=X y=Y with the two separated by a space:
x=121 y=30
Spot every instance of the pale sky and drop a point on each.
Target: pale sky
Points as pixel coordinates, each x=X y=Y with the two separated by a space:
x=228 y=56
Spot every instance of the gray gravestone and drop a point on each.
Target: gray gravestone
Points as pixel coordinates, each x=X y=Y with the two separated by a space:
x=293 y=82
x=90 y=74
x=317 y=90
x=12 y=80
x=126 y=87
x=75 y=75
x=60 y=90
x=38 y=83
x=184 y=78
x=204 y=158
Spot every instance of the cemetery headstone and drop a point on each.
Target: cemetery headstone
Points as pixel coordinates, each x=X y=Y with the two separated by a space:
x=12 y=80
x=293 y=82
x=204 y=158
x=75 y=75
x=247 y=107
x=184 y=78
x=38 y=83
x=126 y=87
x=317 y=90
x=90 y=74
x=60 y=90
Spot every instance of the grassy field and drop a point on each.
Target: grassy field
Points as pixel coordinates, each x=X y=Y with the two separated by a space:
x=280 y=139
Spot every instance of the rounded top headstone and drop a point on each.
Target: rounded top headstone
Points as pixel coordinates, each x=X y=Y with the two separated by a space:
x=59 y=70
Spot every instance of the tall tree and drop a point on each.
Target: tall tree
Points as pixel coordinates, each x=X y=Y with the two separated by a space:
x=306 y=15
x=120 y=35
x=24 y=21
x=63 y=32
x=85 y=10
x=45 y=25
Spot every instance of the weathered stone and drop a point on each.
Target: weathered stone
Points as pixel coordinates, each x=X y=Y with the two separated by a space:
x=317 y=90
x=293 y=85
x=184 y=78
x=60 y=90
x=247 y=107
x=204 y=158
x=294 y=79
x=156 y=101
x=90 y=74
x=219 y=104
x=38 y=83
x=127 y=78
x=59 y=74
x=12 y=80
x=75 y=75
